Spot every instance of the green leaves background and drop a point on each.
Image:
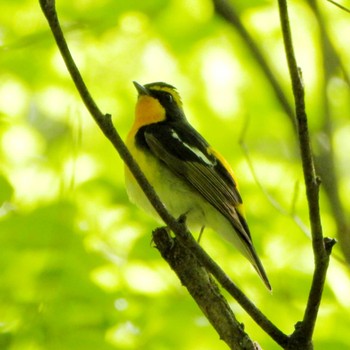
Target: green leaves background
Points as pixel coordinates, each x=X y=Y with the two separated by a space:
x=77 y=267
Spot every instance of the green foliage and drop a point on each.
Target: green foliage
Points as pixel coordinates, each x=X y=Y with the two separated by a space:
x=77 y=266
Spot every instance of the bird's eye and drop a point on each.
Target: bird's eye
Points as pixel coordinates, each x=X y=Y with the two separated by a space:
x=169 y=97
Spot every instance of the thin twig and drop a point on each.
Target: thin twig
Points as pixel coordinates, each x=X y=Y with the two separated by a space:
x=321 y=250
x=326 y=158
x=245 y=150
x=340 y=6
x=226 y=11
x=270 y=198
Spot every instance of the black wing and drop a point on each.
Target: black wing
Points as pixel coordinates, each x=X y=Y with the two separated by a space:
x=188 y=155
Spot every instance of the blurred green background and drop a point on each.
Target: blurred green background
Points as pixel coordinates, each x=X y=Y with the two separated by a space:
x=77 y=266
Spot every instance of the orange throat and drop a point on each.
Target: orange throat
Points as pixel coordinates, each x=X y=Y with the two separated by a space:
x=148 y=111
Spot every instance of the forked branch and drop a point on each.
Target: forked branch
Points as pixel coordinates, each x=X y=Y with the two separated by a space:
x=302 y=337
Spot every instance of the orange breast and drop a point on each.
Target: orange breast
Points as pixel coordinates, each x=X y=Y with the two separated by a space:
x=148 y=111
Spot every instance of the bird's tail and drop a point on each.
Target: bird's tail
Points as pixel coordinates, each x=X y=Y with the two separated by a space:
x=254 y=259
x=248 y=249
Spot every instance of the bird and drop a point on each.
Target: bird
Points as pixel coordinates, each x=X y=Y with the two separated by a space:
x=189 y=176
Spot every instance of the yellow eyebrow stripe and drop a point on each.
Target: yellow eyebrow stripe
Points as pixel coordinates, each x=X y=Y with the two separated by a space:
x=169 y=90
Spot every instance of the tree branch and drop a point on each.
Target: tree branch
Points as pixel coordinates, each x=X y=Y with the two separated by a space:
x=325 y=159
x=277 y=335
x=340 y=6
x=302 y=337
x=203 y=290
x=227 y=12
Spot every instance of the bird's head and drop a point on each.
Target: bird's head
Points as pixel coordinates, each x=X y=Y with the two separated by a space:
x=157 y=102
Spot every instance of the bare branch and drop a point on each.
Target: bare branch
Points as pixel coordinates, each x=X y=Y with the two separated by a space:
x=326 y=159
x=302 y=337
x=226 y=11
x=340 y=6
x=203 y=290
x=291 y=213
x=274 y=332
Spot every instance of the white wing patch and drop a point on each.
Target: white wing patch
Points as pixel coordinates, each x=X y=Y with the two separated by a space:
x=194 y=150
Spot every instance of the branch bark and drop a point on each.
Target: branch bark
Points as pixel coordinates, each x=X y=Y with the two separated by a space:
x=203 y=290
x=325 y=158
x=225 y=9
x=302 y=337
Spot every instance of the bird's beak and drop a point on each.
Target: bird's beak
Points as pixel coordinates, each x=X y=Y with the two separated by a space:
x=142 y=90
